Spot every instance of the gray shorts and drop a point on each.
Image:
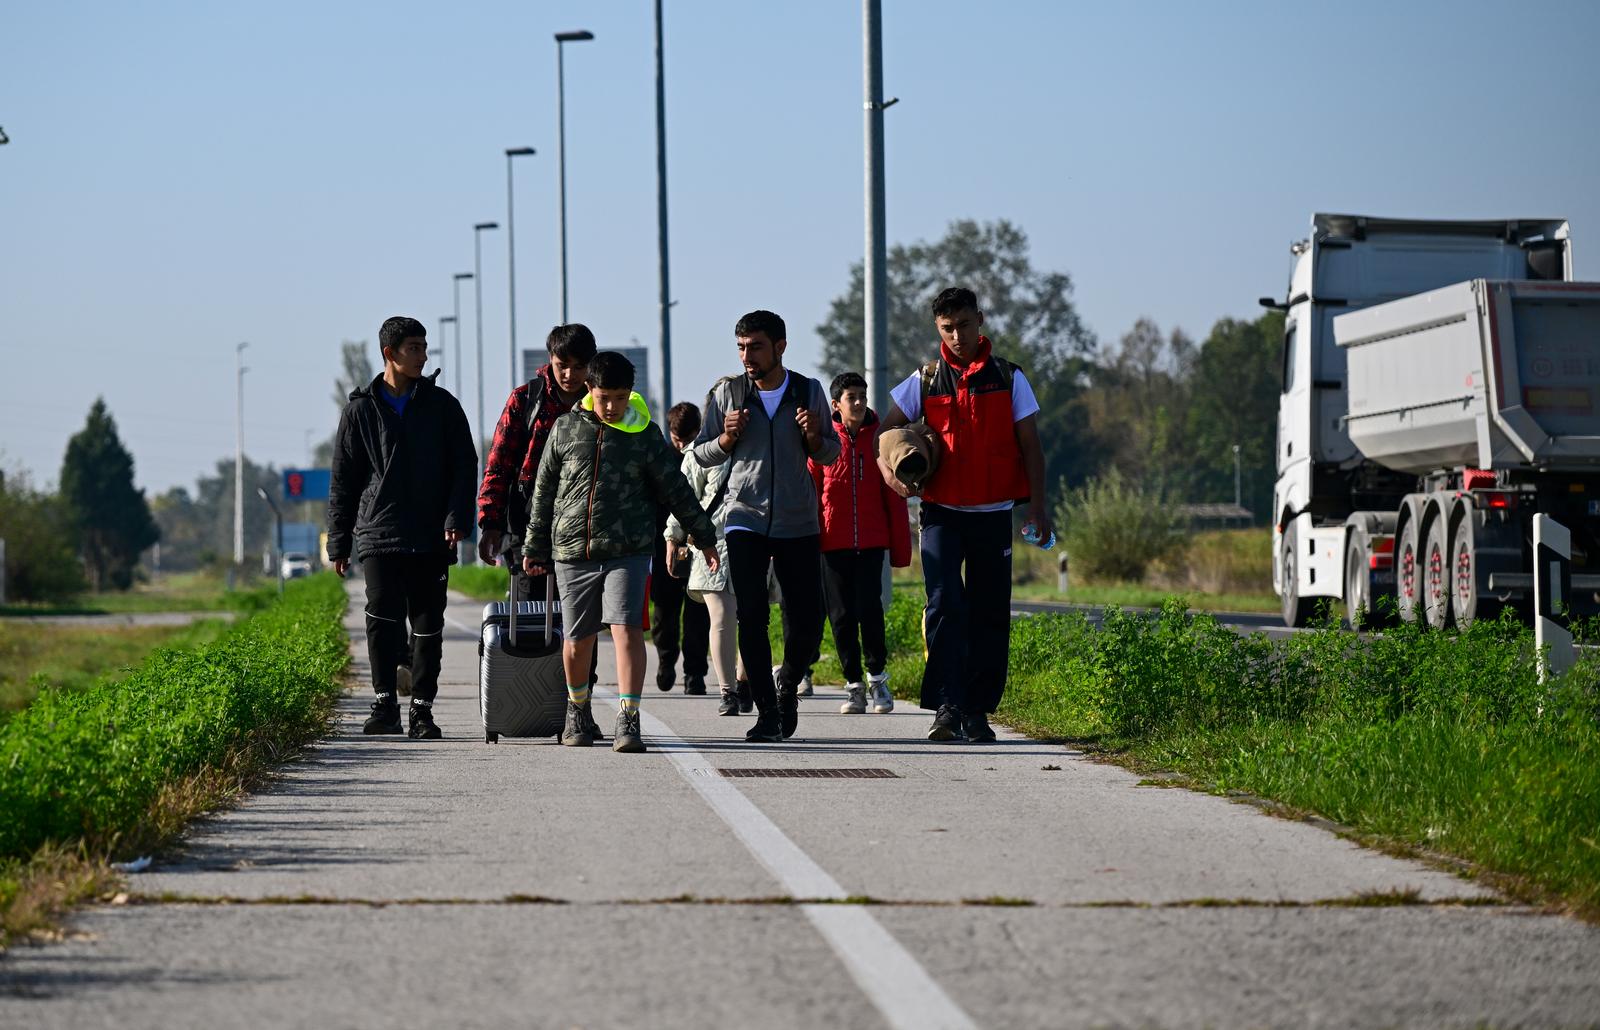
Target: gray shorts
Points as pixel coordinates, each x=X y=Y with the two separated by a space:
x=602 y=593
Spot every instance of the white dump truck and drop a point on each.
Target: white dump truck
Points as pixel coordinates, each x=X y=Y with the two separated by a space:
x=1440 y=387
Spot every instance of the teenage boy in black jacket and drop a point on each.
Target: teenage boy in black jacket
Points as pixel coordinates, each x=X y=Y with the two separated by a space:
x=404 y=468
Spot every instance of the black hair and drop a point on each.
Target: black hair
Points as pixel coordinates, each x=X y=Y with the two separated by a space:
x=609 y=370
x=683 y=420
x=847 y=381
x=761 y=322
x=396 y=330
x=571 y=342
x=954 y=299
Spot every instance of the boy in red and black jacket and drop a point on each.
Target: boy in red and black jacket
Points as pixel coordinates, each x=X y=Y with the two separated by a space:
x=862 y=522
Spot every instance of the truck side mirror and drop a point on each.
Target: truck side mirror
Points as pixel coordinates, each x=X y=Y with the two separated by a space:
x=1275 y=305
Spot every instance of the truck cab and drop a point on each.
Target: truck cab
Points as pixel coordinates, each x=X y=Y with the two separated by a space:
x=1326 y=489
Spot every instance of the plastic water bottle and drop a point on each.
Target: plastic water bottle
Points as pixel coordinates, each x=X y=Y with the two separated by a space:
x=1030 y=533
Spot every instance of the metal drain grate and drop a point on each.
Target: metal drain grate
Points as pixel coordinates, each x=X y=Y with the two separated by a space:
x=810 y=774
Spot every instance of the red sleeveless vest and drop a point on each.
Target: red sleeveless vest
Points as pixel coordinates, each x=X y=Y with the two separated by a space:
x=970 y=407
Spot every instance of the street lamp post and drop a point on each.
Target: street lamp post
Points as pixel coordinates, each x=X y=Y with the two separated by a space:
x=238 y=456
x=561 y=149
x=661 y=212
x=457 y=320
x=876 y=284
x=511 y=252
x=445 y=320
x=1238 y=497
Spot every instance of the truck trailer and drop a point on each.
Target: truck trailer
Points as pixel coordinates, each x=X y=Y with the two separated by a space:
x=1440 y=381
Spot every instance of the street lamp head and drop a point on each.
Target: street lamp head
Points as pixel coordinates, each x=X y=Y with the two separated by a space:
x=463 y=275
x=574 y=37
x=485 y=225
x=520 y=151
x=261 y=492
x=447 y=320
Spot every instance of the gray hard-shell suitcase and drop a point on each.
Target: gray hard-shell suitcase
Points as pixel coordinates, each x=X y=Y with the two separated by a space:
x=522 y=687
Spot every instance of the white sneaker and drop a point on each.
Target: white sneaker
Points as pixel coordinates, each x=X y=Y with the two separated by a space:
x=805 y=686
x=882 y=700
x=402 y=680
x=855 y=700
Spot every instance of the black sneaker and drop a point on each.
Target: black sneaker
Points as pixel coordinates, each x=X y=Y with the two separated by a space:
x=747 y=703
x=694 y=685
x=575 y=733
x=976 y=728
x=767 y=730
x=593 y=728
x=946 y=724
x=422 y=725
x=665 y=679
x=788 y=711
x=385 y=717
x=628 y=739
x=730 y=703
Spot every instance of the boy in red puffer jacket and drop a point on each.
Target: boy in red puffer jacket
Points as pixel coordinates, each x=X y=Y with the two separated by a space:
x=862 y=522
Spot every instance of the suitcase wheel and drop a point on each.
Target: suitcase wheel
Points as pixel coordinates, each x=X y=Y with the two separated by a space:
x=491 y=737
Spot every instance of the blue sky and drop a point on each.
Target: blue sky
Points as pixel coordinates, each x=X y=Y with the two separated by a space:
x=184 y=176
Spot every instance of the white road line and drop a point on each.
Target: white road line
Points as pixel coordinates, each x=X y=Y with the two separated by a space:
x=893 y=980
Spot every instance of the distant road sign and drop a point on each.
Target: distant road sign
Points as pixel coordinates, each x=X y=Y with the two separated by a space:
x=306 y=484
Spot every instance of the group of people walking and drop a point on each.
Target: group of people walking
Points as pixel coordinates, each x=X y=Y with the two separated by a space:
x=777 y=485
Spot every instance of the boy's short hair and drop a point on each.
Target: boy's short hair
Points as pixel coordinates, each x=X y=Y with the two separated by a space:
x=683 y=420
x=571 y=342
x=609 y=370
x=847 y=381
x=396 y=329
x=761 y=322
x=954 y=299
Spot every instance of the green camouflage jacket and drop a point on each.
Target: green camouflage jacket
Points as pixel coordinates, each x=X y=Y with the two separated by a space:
x=598 y=487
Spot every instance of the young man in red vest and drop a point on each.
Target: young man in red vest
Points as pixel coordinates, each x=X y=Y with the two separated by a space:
x=983 y=409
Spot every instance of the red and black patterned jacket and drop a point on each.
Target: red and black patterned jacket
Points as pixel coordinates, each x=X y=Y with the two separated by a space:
x=513 y=460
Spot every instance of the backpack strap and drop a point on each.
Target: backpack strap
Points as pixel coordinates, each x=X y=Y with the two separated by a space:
x=535 y=401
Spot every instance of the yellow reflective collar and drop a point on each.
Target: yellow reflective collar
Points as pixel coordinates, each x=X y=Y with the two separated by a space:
x=634 y=421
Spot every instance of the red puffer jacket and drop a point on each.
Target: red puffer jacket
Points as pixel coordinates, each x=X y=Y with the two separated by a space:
x=859 y=511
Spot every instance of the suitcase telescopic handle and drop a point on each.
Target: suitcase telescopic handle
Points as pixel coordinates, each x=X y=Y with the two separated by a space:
x=549 y=605
x=515 y=571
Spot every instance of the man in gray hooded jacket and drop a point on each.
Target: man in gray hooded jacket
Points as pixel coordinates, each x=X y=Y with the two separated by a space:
x=768 y=422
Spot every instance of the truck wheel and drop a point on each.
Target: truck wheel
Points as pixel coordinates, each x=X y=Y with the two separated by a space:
x=1357 y=584
x=1436 y=576
x=1408 y=573
x=1296 y=612
x=1464 y=600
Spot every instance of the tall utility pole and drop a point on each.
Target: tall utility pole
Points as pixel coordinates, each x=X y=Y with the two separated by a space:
x=477 y=289
x=876 y=285
x=459 y=276
x=511 y=254
x=444 y=341
x=563 y=38
x=661 y=214
x=238 y=456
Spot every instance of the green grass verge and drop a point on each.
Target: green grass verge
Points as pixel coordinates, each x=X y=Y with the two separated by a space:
x=1423 y=742
x=480 y=582
x=176 y=592
x=1139 y=595
x=85 y=766
x=36 y=655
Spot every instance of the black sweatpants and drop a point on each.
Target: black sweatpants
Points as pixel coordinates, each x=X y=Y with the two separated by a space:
x=402 y=588
x=673 y=616
x=966 y=563
x=795 y=561
x=852 y=582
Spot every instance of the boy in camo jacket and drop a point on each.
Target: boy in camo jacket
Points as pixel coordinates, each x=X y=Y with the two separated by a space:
x=605 y=468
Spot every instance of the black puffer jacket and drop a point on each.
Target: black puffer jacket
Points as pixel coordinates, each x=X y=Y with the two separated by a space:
x=400 y=481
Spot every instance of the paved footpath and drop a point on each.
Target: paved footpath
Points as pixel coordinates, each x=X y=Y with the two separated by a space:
x=387 y=882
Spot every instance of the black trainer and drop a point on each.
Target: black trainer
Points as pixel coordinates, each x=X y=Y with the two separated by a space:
x=946 y=724
x=747 y=703
x=767 y=730
x=665 y=679
x=694 y=685
x=788 y=711
x=976 y=728
x=730 y=703
x=422 y=725
x=385 y=717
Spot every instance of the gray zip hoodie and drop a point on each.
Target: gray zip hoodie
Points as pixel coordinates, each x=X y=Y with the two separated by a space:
x=770 y=489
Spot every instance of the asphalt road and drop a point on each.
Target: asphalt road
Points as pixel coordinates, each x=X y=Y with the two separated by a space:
x=383 y=882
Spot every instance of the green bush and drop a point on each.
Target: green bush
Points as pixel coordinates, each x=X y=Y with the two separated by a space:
x=87 y=764
x=1114 y=529
x=40 y=563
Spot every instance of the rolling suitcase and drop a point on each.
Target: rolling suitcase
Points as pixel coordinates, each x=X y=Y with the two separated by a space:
x=522 y=687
